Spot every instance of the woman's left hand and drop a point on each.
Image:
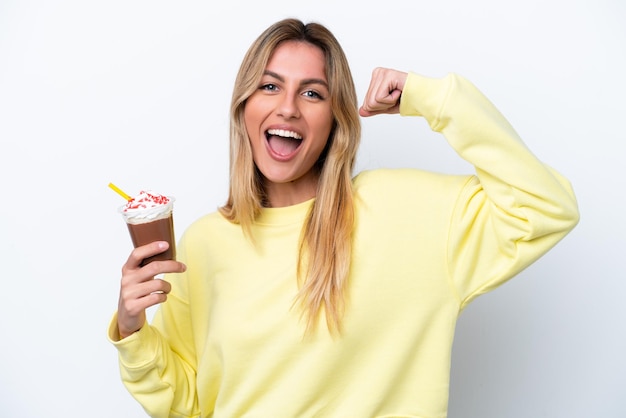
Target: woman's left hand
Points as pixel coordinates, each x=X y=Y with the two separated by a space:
x=383 y=94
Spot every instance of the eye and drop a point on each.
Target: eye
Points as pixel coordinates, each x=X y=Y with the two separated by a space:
x=312 y=94
x=268 y=87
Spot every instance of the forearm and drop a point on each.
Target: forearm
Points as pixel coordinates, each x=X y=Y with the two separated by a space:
x=513 y=178
x=162 y=381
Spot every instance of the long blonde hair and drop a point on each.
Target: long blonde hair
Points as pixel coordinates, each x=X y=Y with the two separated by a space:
x=326 y=239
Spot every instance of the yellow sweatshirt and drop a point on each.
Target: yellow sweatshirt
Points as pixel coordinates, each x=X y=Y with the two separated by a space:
x=229 y=343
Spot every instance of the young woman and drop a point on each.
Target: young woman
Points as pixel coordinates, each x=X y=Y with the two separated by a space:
x=313 y=293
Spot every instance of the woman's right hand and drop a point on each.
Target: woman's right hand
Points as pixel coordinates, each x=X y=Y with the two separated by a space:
x=139 y=289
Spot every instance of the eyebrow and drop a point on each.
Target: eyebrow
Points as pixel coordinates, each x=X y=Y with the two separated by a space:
x=305 y=82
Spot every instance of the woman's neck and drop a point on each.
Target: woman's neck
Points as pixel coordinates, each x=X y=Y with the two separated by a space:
x=291 y=193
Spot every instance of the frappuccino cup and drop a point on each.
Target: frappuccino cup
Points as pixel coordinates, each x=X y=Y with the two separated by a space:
x=150 y=217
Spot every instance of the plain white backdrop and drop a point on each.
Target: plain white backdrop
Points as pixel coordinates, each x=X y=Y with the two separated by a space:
x=137 y=93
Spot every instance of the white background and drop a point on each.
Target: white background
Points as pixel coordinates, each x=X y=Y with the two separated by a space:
x=137 y=93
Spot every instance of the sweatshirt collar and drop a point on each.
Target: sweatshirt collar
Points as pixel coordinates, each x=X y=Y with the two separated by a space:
x=285 y=215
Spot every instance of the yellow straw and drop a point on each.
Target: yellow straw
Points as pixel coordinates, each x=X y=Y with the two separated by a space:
x=119 y=191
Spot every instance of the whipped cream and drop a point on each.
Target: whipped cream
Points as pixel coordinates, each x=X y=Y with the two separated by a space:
x=147 y=206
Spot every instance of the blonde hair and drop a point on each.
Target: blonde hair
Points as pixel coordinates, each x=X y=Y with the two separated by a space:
x=326 y=239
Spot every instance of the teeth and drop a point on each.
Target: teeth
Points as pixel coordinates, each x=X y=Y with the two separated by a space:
x=283 y=133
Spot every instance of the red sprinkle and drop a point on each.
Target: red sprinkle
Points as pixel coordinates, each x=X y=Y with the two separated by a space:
x=145 y=201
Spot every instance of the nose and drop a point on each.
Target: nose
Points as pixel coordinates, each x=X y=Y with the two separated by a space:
x=288 y=106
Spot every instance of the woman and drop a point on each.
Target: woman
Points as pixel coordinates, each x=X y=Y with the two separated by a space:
x=314 y=294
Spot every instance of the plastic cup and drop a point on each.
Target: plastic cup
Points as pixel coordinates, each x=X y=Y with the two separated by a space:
x=152 y=224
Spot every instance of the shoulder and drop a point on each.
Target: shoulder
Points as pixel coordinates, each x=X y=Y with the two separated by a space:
x=406 y=192
x=399 y=181
x=210 y=225
x=405 y=204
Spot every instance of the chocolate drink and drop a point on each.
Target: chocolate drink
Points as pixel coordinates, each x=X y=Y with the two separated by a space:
x=149 y=217
x=158 y=230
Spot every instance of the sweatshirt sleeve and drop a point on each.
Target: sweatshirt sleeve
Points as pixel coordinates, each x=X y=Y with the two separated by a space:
x=158 y=362
x=513 y=210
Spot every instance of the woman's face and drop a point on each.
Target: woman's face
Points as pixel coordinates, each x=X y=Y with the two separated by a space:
x=289 y=119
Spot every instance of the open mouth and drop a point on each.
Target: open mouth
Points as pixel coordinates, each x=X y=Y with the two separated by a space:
x=283 y=142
